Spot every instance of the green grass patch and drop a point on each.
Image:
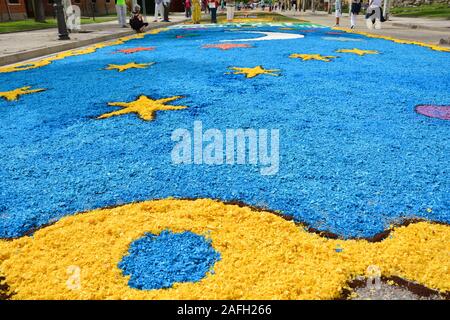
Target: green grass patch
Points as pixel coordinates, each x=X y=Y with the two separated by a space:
x=30 y=24
x=441 y=11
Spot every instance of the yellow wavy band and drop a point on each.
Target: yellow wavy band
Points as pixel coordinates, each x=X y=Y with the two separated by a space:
x=396 y=40
x=263 y=255
x=28 y=65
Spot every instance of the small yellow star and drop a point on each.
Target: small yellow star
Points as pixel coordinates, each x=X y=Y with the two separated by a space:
x=144 y=107
x=253 y=72
x=131 y=65
x=357 y=51
x=313 y=56
x=14 y=94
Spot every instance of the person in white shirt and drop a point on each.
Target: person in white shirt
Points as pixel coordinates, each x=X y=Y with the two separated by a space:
x=230 y=10
x=338 y=11
x=159 y=9
x=373 y=17
x=375 y=3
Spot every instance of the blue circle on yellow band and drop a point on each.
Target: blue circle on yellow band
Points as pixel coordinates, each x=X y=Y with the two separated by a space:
x=159 y=261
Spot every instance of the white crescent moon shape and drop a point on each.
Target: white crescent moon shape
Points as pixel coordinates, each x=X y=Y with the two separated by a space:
x=270 y=36
x=340 y=39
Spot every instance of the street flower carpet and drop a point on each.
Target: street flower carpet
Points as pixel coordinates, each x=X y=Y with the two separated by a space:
x=93 y=207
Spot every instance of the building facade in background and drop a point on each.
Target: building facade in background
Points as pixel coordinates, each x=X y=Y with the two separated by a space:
x=12 y=10
x=23 y=9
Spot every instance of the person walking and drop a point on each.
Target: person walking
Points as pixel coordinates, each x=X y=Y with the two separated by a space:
x=187 y=6
x=213 y=5
x=337 y=11
x=294 y=5
x=374 y=14
x=197 y=13
x=158 y=9
x=166 y=5
x=230 y=10
x=354 y=11
x=121 y=9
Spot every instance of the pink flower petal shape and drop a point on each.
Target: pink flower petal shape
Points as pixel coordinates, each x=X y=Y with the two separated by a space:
x=432 y=111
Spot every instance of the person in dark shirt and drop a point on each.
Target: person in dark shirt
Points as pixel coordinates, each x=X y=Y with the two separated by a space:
x=137 y=21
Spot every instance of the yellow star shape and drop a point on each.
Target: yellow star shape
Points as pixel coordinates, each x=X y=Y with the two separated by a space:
x=131 y=65
x=144 y=107
x=253 y=72
x=313 y=56
x=357 y=51
x=16 y=93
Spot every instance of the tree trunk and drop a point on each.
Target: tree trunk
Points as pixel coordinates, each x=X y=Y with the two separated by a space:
x=387 y=6
x=39 y=12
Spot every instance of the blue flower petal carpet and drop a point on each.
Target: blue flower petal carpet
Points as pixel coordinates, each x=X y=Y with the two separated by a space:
x=364 y=145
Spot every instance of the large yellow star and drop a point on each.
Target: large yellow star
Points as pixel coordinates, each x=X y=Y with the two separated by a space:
x=144 y=107
x=14 y=94
x=357 y=51
x=313 y=56
x=253 y=72
x=131 y=65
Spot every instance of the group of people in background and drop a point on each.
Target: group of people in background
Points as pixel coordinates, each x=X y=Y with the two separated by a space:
x=137 y=23
x=374 y=13
x=193 y=9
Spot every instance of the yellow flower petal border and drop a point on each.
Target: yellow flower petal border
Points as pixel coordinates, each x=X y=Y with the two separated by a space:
x=28 y=65
x=396 y=40
x=263 y=255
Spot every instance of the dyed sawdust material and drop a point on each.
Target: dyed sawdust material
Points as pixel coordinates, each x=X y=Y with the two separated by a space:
x=348 y=167
x=258 y=250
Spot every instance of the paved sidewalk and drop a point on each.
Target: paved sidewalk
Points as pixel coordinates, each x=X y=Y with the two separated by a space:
x=431 y=31
x=20 y=46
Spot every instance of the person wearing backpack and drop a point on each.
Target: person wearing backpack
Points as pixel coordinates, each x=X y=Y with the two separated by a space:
x=374 y=15
x=137 y=21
